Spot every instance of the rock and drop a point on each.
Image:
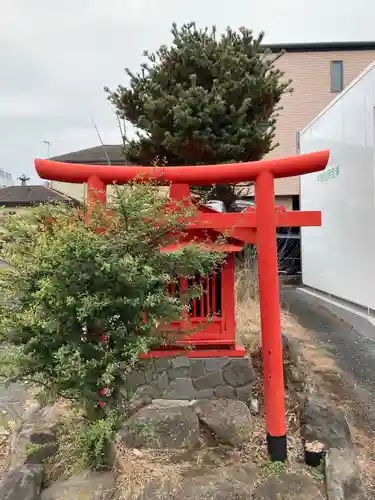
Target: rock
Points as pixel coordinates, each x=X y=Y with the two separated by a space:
x=173 y=427
x=150 y=391
x=181 y=362
x=160 y=404
x=205 y=394
x=325 y=423
x=288 y=487
x=162 y=364
x=45 y=416
x=229 y=420
x=22 y=483
x=180 y=372
x=181 y=388
x=162 y=382
x=86 y=486
x=197 y=368
x=343 y=476
x=225 y=391
x=134 y=379
x=150 y=372
x=227 y=483
x=239 y=372
x=213 y=364
x=254 y=406
x=32 y=447
x=209 y=381
x=35 y=440
x=136 y=404
x=244 y=393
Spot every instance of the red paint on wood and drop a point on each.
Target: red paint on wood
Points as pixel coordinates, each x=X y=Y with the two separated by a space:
x=243 y=220
x=194 y=175
x=237 y=352
x=208 y=296
x=228 y=301
x=299 y=219
x=270 y=305
x=213 y=292
x=96 y=191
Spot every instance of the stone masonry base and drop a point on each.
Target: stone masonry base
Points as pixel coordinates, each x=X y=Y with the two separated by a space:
x=192 y=378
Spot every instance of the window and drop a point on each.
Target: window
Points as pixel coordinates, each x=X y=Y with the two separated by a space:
x=337 y=76
x=298 y=143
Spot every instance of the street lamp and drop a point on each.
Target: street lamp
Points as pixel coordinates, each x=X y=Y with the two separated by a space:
x=48 y=144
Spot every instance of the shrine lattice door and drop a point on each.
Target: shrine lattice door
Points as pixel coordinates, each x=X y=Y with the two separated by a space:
x=210 y=319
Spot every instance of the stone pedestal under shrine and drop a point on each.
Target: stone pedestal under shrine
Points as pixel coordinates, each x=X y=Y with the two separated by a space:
x=187 y=378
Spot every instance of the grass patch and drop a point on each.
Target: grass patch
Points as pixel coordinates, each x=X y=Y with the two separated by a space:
x=82 y=444
x=247 y=305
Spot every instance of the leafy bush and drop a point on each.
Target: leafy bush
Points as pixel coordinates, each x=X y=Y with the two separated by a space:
x=83 y=297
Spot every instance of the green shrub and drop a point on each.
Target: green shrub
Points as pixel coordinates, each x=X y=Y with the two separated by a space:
x=83 y=298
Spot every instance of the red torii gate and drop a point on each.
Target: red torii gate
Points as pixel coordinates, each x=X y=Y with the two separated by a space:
x=263 y=221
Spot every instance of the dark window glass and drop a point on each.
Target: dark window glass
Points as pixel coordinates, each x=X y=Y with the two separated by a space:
x=337 y=76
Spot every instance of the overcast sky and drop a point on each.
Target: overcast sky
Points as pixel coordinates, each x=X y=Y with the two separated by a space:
x=57 y=55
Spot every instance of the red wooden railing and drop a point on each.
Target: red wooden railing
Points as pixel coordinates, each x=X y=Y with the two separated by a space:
x=208 y=303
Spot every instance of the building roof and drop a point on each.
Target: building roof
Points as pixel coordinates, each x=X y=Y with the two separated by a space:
x=320 y=46
x=95 y=156
x=21 y=196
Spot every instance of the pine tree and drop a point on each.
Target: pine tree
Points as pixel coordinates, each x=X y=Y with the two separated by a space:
x=205 y=99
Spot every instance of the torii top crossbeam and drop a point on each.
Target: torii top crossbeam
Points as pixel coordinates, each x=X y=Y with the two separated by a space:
x=195 y=175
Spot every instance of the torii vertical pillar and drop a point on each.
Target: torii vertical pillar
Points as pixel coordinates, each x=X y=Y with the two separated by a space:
x=270 y=316
x=96 y=192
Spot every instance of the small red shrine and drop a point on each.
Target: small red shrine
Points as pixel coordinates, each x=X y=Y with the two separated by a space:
x=211 y=315
x=252 y=226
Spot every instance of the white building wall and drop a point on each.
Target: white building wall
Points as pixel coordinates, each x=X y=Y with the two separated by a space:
x=339 y=257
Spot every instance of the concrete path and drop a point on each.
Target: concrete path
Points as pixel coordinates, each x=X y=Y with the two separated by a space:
x=348 y=338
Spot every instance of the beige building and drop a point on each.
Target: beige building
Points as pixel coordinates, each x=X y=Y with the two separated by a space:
x=19 y=199
x=98 y=155
x=319 y=71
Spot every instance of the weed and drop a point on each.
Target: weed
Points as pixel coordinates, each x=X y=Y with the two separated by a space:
x=83 y=444
x=33 y=448
x=144 y=430
x=318 y=473
x=274 y=468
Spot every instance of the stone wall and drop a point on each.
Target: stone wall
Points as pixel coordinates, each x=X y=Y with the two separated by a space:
x=192 y=378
